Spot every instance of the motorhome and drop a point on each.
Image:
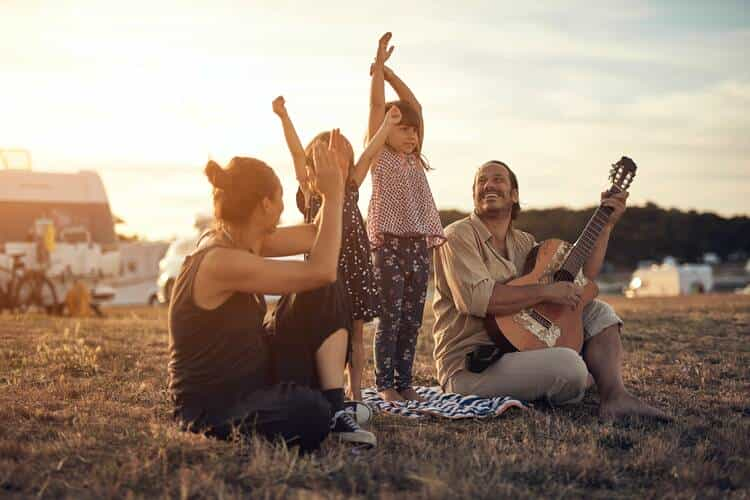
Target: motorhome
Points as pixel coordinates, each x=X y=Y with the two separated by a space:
x=670 y=279
x=69 y=214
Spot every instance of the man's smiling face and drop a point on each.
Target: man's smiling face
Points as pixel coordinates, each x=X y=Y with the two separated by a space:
x=493 y=190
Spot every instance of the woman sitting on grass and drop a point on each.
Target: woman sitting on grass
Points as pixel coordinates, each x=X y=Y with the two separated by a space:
x=221 y=376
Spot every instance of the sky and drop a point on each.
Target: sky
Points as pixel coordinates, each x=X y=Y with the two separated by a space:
x=144 y=92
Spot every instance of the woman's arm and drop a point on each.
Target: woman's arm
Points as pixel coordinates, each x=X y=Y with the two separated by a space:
x=289 y=240
x=377 y=86
x=375 y=145
x=237 y=270
x=405 y=94
x=294 y=144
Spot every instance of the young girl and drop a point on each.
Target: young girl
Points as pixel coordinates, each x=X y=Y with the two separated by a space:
x=358 y=284
x=402 y=224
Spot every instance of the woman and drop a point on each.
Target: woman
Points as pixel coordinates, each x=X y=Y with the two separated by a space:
x=221 y=374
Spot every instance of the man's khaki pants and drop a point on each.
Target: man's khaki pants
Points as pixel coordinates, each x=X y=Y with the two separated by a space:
x=557 y=374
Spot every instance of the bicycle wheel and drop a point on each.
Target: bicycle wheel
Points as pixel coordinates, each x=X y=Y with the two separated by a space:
x=36 y=293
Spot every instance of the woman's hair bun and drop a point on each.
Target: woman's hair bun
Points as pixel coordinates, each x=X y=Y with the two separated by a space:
x=216 y=175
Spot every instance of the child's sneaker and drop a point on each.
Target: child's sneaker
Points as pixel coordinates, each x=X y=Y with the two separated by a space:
x=360 y=410
x=345 y=427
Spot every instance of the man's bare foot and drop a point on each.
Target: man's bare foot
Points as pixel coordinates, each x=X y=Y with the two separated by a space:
x=410 y=394
x=626 y=405
x=390 y=395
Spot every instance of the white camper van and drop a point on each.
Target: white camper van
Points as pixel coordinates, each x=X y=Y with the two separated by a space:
x=670 y=279
x=76 y=207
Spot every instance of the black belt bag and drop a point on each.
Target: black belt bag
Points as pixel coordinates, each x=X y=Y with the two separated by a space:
x=481 y=357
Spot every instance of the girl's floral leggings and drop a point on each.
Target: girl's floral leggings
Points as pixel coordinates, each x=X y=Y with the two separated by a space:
x=402 y=266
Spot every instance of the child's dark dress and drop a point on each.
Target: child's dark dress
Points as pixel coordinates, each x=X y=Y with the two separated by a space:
x=355 y=261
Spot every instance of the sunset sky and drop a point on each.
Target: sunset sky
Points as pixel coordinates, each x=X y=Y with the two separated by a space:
x=144 y=91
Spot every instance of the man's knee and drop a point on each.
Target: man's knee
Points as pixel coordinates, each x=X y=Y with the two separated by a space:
x=570 y=377
x=599 y=317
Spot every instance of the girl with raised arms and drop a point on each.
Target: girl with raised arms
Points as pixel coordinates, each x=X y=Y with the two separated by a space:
x=403 y=224
x=357 y=289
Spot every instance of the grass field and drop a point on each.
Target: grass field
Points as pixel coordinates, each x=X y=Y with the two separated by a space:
x=84 y=414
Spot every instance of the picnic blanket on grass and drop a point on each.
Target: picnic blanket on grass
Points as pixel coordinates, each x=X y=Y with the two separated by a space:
x=440 y=404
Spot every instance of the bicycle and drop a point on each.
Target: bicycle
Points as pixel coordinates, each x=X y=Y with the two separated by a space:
x=24 y=290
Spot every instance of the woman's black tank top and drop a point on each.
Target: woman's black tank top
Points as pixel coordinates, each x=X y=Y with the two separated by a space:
x=217 y=356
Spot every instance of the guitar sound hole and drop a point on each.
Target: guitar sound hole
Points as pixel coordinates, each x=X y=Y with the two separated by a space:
x=563 y=275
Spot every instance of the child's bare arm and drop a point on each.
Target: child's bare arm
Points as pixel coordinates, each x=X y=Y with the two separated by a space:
x=392 y=118
x=293 y=143
x=377 y=86
x=405 y=94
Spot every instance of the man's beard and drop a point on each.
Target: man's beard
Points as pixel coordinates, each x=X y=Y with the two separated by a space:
x=494 y=212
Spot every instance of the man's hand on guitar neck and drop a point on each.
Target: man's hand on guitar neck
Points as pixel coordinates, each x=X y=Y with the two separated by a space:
x=616 y=202
x=594 y=263
x=563 y=293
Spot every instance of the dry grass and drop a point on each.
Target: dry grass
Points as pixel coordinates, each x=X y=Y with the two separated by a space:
x=84 y=413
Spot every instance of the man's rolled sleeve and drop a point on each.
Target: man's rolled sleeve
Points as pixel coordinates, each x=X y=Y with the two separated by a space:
x=466 y=274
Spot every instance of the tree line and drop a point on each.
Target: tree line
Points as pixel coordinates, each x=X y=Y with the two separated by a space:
x=646 y=232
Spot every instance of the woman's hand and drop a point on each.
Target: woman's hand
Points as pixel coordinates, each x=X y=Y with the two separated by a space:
x=279 y=106
x=327 y=175
x=341 y=149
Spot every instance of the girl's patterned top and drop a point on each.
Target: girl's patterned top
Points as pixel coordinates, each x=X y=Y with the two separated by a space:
x=402 y=203
x=355 y=261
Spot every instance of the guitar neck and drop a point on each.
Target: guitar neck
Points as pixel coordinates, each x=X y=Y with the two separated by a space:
x=584 y=245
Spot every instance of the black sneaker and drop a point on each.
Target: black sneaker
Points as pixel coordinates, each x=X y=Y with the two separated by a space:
x=345 y=427
x=362 y=413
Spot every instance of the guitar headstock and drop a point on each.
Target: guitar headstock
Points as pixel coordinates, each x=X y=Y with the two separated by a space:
x=622 y=173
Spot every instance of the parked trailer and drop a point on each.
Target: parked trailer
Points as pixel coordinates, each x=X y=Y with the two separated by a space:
x=84 y=243
x=670 y=280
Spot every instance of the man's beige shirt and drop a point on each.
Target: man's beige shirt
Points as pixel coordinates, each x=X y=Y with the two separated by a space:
x=467 y=267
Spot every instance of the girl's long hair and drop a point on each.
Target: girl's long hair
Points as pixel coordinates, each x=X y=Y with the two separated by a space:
x=411 y=118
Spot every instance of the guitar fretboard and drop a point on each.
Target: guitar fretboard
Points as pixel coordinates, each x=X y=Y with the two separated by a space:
x=585 y=244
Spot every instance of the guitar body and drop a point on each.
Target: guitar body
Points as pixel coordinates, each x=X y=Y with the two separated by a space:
x=546 y=324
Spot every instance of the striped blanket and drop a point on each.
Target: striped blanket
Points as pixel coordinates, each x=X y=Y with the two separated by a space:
x=439 y=404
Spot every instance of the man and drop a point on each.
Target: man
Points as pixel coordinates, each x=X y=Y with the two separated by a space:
x=484 y=251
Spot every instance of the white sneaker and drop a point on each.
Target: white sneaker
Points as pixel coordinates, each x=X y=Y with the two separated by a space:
x=346 y=428
x=361 y=411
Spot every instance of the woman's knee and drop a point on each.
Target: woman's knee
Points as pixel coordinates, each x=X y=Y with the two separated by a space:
x=336 y=341
x=358 y=328
x=310 y=417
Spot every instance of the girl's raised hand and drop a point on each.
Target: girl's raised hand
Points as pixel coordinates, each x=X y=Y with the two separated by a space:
x=279 y=106
x=384 y=51
x=387 y=72
x=393 y=117
x=327 y=176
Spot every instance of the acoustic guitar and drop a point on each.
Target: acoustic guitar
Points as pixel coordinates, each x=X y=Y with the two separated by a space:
x=554 y=325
